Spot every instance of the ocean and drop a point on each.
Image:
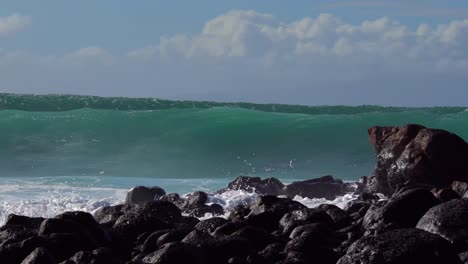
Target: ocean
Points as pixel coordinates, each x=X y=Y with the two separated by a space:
x=68 y=152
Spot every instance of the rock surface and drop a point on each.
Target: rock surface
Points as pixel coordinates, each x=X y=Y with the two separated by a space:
x=448 y=220
x=325 y=187
x=413 y=154
x=400 y=246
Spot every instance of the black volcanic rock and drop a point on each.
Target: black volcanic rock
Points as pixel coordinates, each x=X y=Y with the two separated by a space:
x=403 y=210
x=304 y=216
x=268 y=186
x=141 y=194
x=413 y=154
x=325 y=187
x=39 y=256
x=268 y=210
x=108 y=215
x=196 y=199
x=174 y=253
x=401 y=246
x=448 y=220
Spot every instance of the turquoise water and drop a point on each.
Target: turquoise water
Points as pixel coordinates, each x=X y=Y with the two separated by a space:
x=46 y=136
x=63 y=152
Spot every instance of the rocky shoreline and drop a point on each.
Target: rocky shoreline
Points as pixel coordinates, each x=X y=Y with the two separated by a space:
x=423 y=172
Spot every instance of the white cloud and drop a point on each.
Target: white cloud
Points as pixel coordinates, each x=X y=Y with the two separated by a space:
x=245 y=55
x=254 y=35
x=13 y=23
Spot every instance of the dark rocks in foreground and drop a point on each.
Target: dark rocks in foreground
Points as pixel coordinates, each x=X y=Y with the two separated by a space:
x=424 y=219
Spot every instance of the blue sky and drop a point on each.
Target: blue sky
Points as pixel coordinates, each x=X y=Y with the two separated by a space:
x=306 y=52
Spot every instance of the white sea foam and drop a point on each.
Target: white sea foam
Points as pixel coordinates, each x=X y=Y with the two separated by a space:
x=47 y=197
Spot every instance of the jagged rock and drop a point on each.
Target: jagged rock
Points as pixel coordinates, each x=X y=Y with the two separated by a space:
x=140 y=194
x=459 y=187
x=108 y=215
x=413 y=154
x=448 y=220
x=304 y=216
x=196 y=199
x=325 y=187
x=268 y=186
x=400 y=246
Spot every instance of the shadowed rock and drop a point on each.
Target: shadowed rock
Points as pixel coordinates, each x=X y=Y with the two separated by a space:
x=141 y=194
x=325 y=187
x=400 y=246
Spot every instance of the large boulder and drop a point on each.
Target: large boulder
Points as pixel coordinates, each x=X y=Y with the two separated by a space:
x=415 y=155
x=325 y=187
x=140 y=194
x=448 y=220
x=268 y=186
x=403 y=210
x=268 y=210
x=401 y=246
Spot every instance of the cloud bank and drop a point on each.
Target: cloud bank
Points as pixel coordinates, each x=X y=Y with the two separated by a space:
x=250 y=56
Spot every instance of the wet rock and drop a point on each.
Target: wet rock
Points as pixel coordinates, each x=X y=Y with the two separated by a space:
x=24 y=221
x=413 y=154
x=39 y=256
x=338 y=215
x=239 y=213
x=173 y=253
x=15 y=233
x=403 y=210
x=173 y=236
x=448 y=220
x=400 y=246
x=150 y=242
x=87 y=221
x=272 y=253
x=268 y=210
x=129 y=226
x=210 y=225
x=325 y=187
x=196 y=199
x=141 y=194
x=304 y=216
x=108 y=215
x=197 y=238
x=459 y=187
x=357 y=206
x=228 y=228
x=268 y=186
x=171 y=197
x=257 y=237
x=222 y=249
x=214 y=210
x=314 y=246
x=446 y=194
